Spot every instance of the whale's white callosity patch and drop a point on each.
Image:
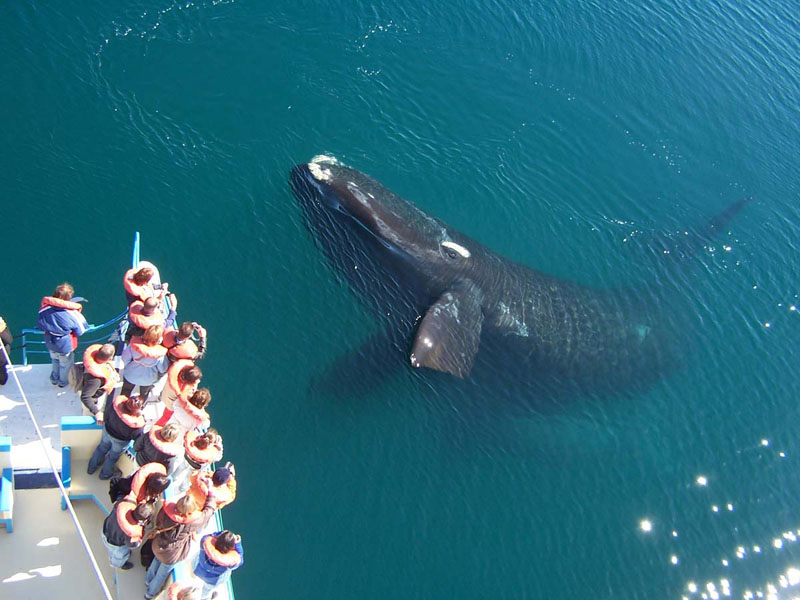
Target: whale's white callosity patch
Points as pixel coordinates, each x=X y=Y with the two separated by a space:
x=317 y=168
x=319 y=173
x=324 y=159
x=458 y=248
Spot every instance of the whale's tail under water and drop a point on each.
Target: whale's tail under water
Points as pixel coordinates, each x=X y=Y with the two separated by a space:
x=695 y=239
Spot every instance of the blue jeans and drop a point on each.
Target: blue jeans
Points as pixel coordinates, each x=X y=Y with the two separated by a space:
x=156 y=575
x=117 y=555
x=109 y=448
x=208 y=588
x=61 y=366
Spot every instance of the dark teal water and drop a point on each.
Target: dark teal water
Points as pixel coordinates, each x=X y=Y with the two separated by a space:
x=570 y=136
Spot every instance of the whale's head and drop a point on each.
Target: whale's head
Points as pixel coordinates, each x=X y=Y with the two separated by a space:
x=341 y=201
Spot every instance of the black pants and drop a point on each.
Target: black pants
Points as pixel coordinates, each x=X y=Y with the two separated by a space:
x=127 y=388
x=92 y=390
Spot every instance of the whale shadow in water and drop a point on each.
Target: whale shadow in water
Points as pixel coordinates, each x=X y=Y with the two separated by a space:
x=478 y=326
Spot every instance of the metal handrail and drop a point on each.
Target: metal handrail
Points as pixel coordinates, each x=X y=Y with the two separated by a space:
x=37 y=345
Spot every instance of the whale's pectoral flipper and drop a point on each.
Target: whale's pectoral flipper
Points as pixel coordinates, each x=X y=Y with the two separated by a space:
x=450 y=332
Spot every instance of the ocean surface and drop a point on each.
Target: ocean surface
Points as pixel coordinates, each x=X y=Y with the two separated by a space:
x=580 y=138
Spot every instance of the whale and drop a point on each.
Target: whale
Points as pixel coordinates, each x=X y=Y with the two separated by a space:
x=451 y=305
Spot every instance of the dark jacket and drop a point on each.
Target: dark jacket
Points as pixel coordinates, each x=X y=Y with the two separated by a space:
x=58 y=325
x=6 y=339
x=146 y=452
x=114 y=533
x=117 y=428
x=172 y=546
x=208 y=570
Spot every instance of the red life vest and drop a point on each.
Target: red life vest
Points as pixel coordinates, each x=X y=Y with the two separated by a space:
x=228 y=559
x=212 y=452
x=169 y=508
x=141 y=320
x=67 y=304
x=172 y=448
x=142 y=349
x=132 y=421
x=198 y=415
x=127 y=522
x=59 y=303
x=175 y=381
x=140 y=477
x=183 y=349
x=104 y=370
x=142 y=292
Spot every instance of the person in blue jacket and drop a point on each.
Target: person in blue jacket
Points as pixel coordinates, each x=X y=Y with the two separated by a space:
x=220 y=554
x=62 y=323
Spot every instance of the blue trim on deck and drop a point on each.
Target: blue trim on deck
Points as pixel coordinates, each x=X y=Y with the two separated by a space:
x=6 y=491
x=5 y=443
x=79 y=423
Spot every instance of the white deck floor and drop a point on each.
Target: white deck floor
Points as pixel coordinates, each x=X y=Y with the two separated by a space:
x=43 y=557
x=49 y=404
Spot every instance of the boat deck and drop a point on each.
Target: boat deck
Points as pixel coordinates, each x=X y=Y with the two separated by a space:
x=43 y=556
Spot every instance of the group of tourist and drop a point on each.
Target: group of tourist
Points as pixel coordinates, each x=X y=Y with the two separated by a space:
x=177 y=448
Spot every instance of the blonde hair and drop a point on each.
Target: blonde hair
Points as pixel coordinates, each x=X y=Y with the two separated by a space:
x=153 y=334
x=186 y=505
x=170 y=432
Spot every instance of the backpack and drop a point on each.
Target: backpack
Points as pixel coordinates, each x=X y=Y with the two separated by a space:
x=75 y=377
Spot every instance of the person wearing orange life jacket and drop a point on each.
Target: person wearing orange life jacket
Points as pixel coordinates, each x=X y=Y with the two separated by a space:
x=177 y=523
x=99 y=377
x=222 y=481
x=200 y=450
x=138 y=285
x=161 y=444
x=220 y=554
x=123 y=423
x=183 y=377
x=179 y=591
x=191 y=412
x=62 y=321
x=123 y=529
x=142 y=315
x=145 y=485
x=180 y=344
x=144 y=362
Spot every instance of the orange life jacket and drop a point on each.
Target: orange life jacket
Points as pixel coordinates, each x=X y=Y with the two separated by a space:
x=169 y=508
x=212 y=452
x=200 y=482
x=173 y=590
x=132 y=421
x=142 y=292
x=127 y=522
x=104 y=370
x=228 y=559
x=140 y=477
x=142 y=349
x=138 y=318
x=176 y=383
x=185 y=349
x=172 y=448
x=59 y=303
x=198 y=415
x=69 y=305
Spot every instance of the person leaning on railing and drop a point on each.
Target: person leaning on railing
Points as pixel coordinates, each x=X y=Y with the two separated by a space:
x=62 y=323
x=5 y=338
x=176 y=526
